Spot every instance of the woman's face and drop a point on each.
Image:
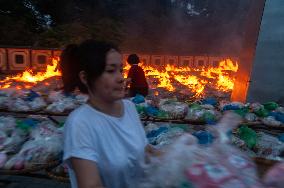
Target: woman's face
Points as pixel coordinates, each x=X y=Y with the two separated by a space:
x=110 y=85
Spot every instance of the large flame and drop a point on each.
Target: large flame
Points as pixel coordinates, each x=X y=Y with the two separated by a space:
x=195 y=79
x=30 y=78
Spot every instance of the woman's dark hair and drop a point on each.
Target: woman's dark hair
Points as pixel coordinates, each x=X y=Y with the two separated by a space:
x=133 y=59
x=89 y=56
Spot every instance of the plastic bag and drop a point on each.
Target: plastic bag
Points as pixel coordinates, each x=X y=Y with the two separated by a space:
x=204 y=137
x=15 y=163
x=138 y=99
x=187 y=164
x=7 y=124
x=250 y=117
x=150 y=127
x=278 y=116
x=169 y=136
x=81 y=98
x=195 y=114
x=248 y=135
x=174 y=109
x=212 y=101
x=3 y=159
x=281 y=137
x=14 y=142
x=262 y=112
x=37 y=104
x=44 y=129
x=32 y=95
x=280 y=109
x=42 y=150
x=152 y=111
x=18 y=105
x=271 y=121
x=268 y=146
x=256 y=106
x=62 y=105
x=3 y=137
x=270 y=106
x=3 y=102
x=55 y=96
x=233 y=106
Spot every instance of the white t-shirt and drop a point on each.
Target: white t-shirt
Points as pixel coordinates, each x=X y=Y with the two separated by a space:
x=115 y=144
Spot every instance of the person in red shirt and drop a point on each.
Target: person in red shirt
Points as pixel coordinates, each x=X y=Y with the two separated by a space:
x=136 y=75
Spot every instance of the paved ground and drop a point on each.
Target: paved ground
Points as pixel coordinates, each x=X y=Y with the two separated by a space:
x=30 y=182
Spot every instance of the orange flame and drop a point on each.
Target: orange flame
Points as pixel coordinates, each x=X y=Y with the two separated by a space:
x=30 y=78
x=195 y=79
x=169 y=77
x=225 y=81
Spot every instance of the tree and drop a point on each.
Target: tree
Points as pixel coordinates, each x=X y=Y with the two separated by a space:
x=18 y=23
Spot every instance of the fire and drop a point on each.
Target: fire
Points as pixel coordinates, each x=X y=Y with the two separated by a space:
x=172 y=78
x=194 y=79
x=29 y=78
x=225 y=81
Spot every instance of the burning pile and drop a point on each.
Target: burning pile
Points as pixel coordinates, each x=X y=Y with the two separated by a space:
x=193 y=82
x=166 y=80
x=28 y=79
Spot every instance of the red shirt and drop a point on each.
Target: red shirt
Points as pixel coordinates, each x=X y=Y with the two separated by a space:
x=138 y=79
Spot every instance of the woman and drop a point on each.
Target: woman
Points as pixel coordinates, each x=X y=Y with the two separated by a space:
x=104 y=140
x=138 y=82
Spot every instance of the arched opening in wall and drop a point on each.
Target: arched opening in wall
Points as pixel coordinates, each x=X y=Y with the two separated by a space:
x=19 y=59
x=185 y=63
x=200 y=63
x=157 y=62
x=3 y=60
x=41 y=59
x=215 y=64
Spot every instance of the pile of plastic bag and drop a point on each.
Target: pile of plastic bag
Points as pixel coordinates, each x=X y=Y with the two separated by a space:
x=28 y=143
x=185 y=163
x=30 y=101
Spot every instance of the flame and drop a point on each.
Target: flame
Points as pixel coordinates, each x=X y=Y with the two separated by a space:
x=194 y=79
x=30 y=79
x=225 y=81
x=169 y=77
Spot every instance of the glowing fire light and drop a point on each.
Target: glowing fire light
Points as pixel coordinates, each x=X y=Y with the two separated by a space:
x=195 y=79
x=30 y=78
x=168 y=77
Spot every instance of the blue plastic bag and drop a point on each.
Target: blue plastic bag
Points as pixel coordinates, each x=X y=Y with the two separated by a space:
x=31 y=96
x=209 y=100
x=204 y=137
x=152 y=111
x=138 y=99
x=278 y=116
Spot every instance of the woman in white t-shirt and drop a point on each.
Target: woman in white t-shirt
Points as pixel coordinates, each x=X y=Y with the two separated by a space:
x=104 y=141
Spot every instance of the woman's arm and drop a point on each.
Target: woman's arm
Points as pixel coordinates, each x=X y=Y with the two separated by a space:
x=87 y=173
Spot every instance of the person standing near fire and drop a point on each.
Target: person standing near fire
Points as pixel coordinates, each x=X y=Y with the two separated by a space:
x=104 y=140
x=138 y=83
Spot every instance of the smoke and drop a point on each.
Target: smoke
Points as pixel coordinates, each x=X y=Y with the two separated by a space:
x=185 y=27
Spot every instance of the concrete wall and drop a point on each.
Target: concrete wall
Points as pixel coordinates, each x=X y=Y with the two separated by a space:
x=267 y=78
